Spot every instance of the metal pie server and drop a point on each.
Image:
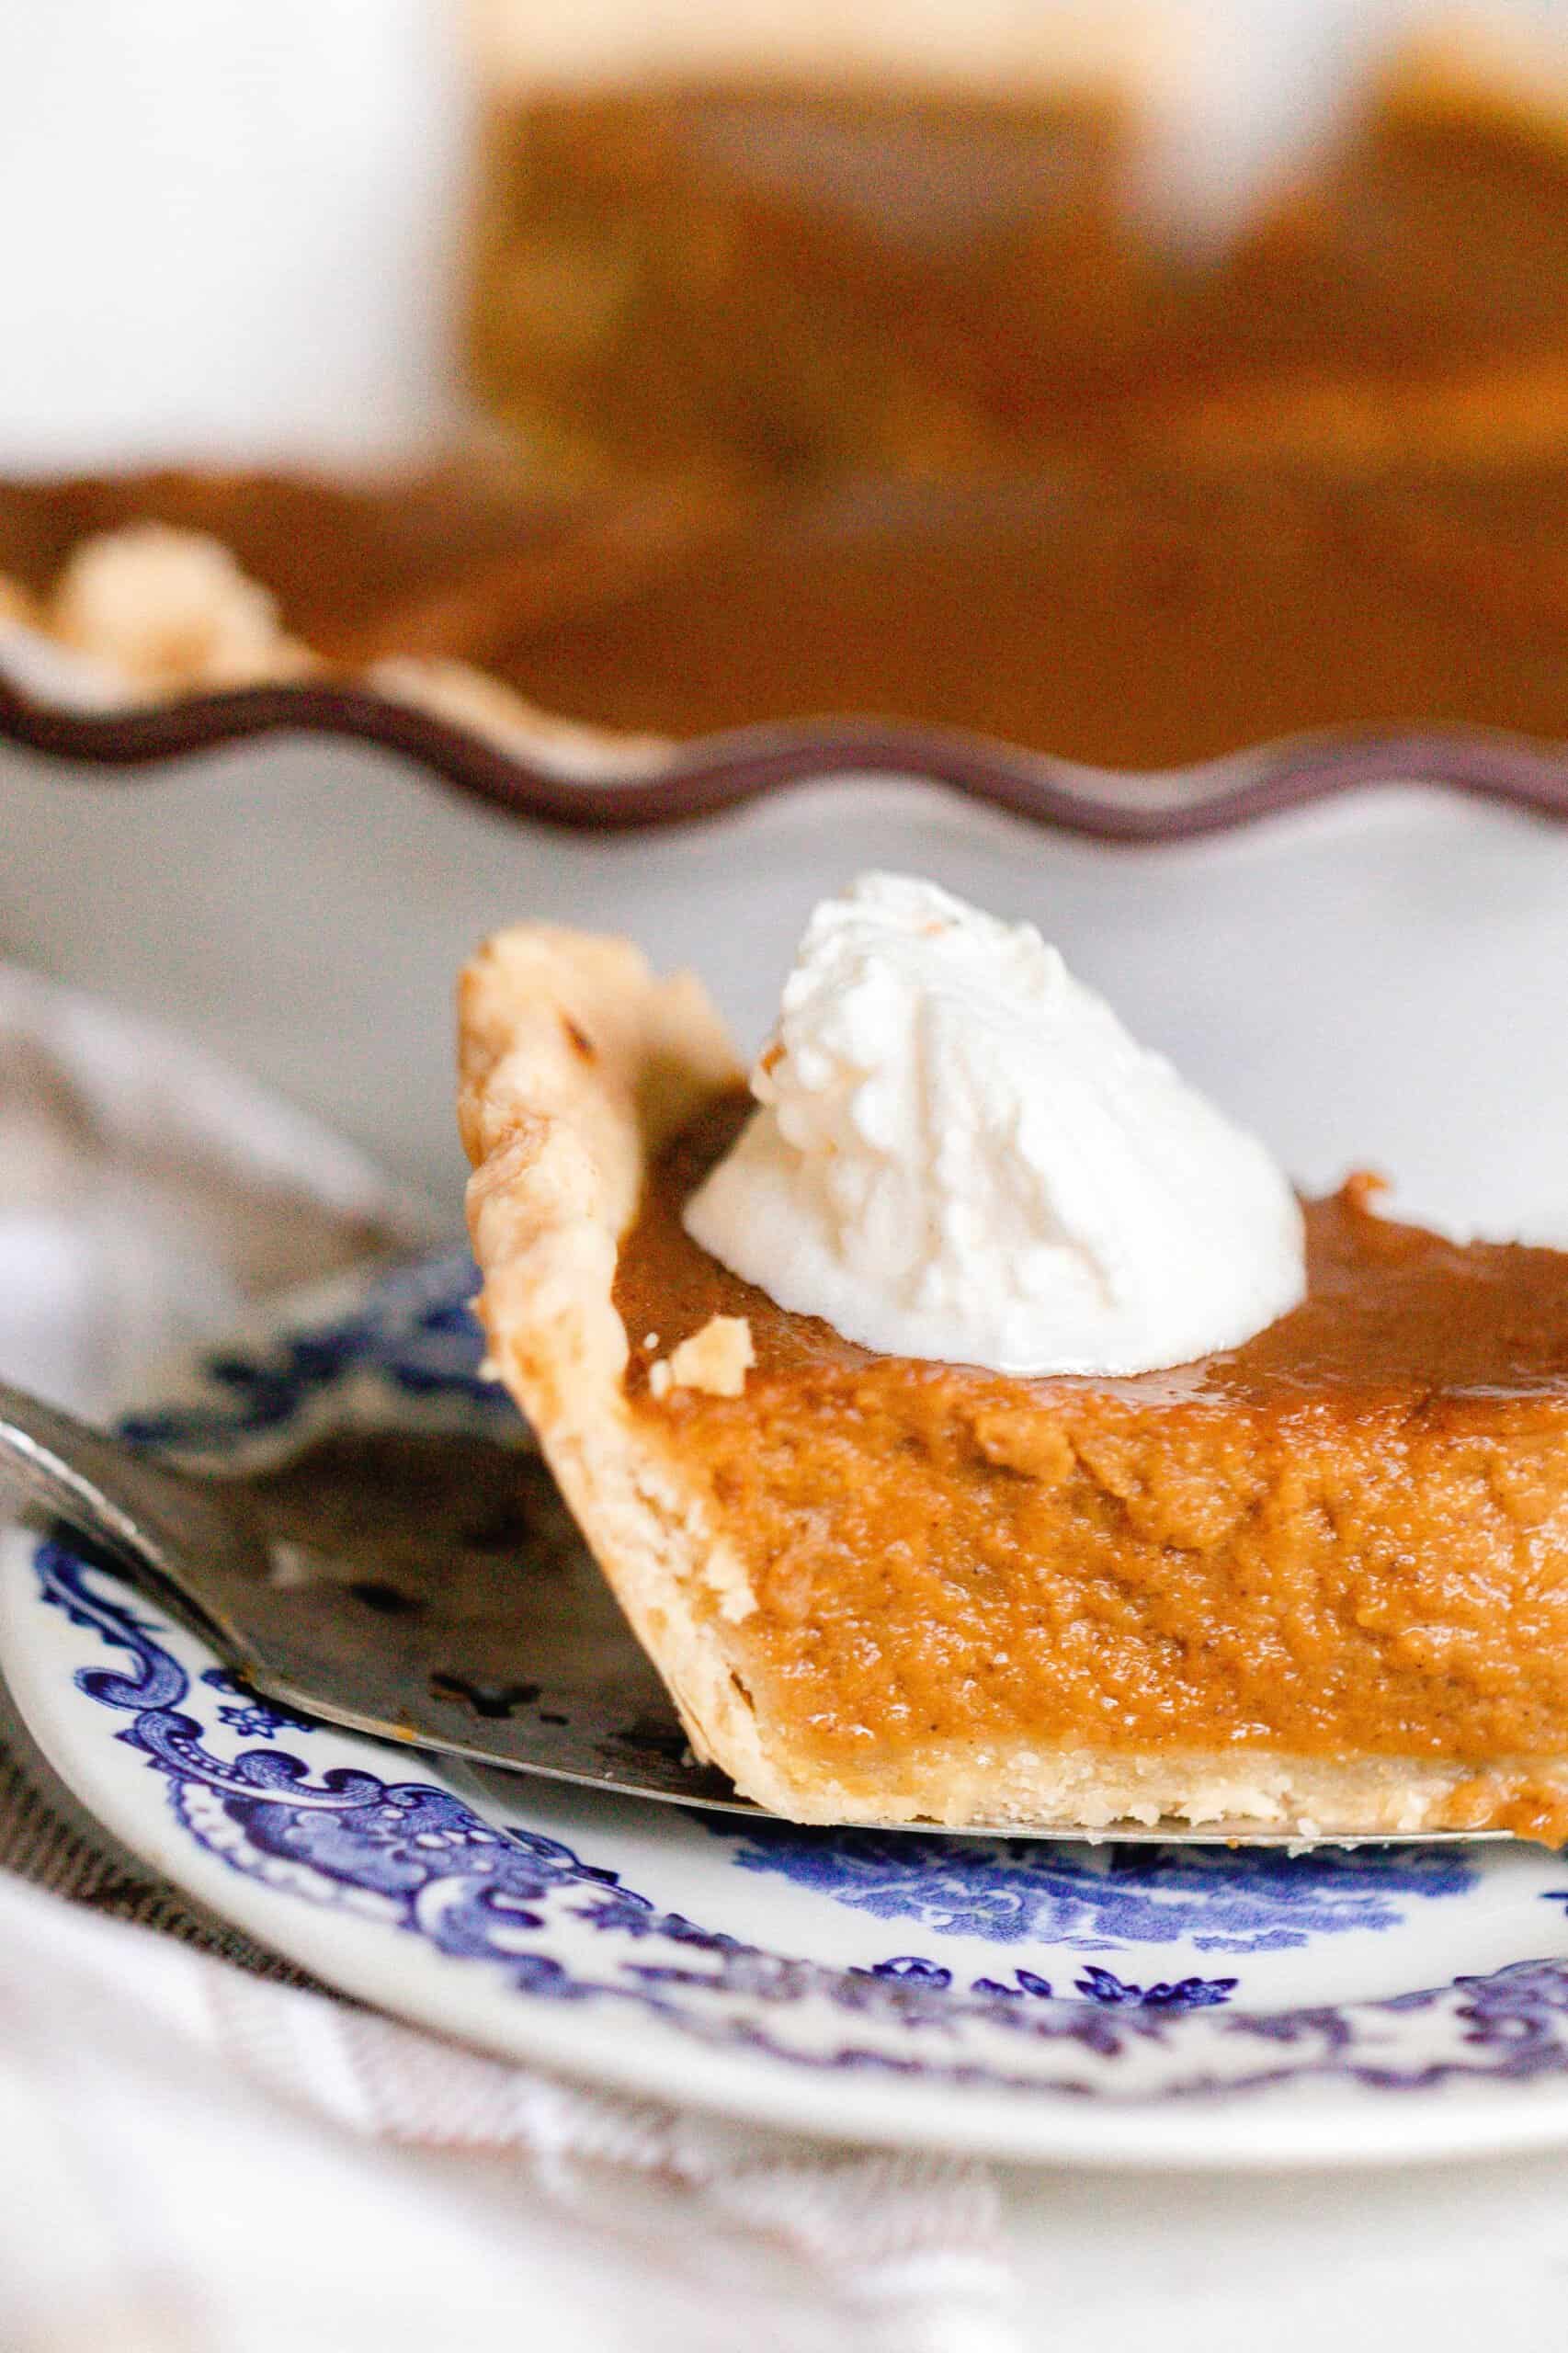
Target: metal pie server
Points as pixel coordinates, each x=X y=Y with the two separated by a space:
x=427 y=1589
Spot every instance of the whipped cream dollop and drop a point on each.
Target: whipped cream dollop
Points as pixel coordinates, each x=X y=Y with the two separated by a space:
x=960 y=1152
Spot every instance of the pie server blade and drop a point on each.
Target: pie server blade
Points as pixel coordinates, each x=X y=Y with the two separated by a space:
x=429 y=1589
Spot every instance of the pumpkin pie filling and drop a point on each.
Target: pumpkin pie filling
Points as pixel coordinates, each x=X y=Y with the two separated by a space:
x=1345 y=1538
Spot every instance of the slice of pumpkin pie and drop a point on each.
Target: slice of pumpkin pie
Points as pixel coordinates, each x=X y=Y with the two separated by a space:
x=974 y=1427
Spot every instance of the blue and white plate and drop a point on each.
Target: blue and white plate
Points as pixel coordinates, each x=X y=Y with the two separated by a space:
x=1135 y=2004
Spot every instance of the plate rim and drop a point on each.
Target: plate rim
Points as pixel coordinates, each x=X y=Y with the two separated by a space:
x=1315 y=2125
x=1210 y=2132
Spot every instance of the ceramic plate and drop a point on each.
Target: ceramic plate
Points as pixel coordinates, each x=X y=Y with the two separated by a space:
x=1103 y=2004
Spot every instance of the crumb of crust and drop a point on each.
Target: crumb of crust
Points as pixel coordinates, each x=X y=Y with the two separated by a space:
x=717 y=1358
x=171 y=610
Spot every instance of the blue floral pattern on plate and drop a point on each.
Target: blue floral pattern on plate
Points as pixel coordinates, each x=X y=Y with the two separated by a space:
x=1090 y=1898
x=482 y=1889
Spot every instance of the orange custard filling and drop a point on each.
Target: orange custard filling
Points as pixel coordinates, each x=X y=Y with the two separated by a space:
x=1346 y=1539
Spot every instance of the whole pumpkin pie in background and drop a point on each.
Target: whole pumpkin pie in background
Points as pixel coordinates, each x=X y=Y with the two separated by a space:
x=1315 y=1580
x=897 y=355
